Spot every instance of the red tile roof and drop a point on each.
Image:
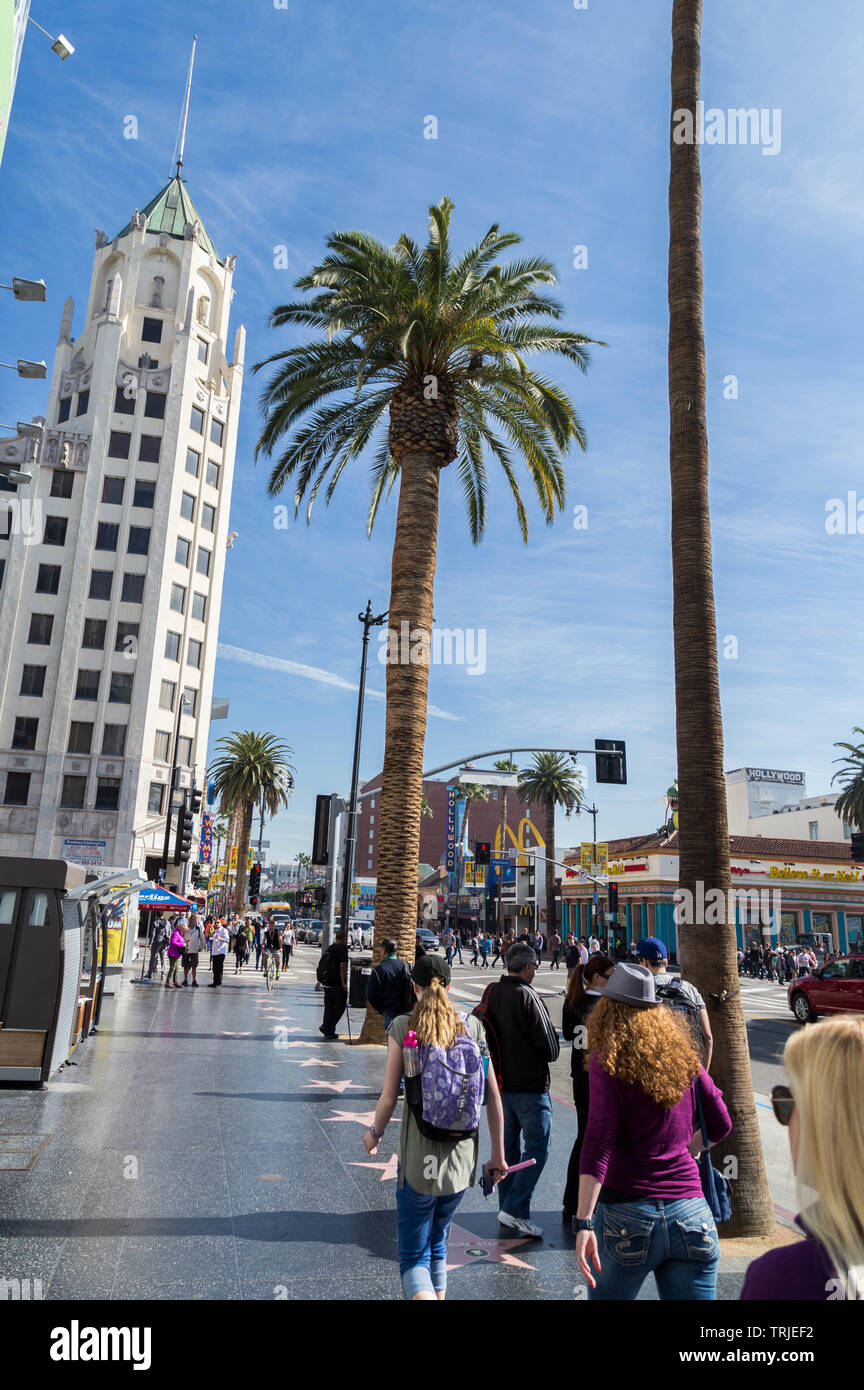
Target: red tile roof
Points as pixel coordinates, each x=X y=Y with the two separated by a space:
x=740 y=847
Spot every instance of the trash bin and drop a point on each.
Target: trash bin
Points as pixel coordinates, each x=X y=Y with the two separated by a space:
x=358 y=979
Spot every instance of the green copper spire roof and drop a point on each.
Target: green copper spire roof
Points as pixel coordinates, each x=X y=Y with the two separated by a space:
x=172 y=211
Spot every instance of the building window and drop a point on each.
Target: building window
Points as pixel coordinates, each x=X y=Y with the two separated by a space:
x=63 y=412
x=107 y=535
x=199 y=607
x=181 y=554
x=187 y=506
x=61 y=482
x=154 y=405
x=123 y=404
x=193 y=462
x=80 y=737
x=217 y=429
x=166 y=695
x=148 y=448
x=145 y=493
x=178 y=598
x=55 y=530
x=119 y=444
x=33 y=680
x=107 y=794
x=114 y=740
x=126 y=638
x=73 y=792
x=191 y=706
x=94 y=633
x=371 y=820
x=155 y=799
x=184 y=752
x=88 y=685
x=151 y=331
x=120 y=690
x=208 y=516
x=212 y=473
x=202 y=564
x=83 y=402
x=193 y=653
x=41 y=625
x=48 y=579
x=133 y=588
x=139 y=540
x=161 y=746
x=203 y=351
x=112 y=490
x=813 y=827
x=369 y=864
x=372 y=802
x=17 y=788
x=172 y=646
x=24 y=734
x=100 y=583
x=196 y=420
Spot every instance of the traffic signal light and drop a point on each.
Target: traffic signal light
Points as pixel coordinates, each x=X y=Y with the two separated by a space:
x=612 y=898
x=321 y=833
x=253 y=902
x=610 y=760
x=482 y=851
x=183 y=842
x=255 y=880
x=196 y=873
x=195 y=800
x=320 y=896
x=858 y=846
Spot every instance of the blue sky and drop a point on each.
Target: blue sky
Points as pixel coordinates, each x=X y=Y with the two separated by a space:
x=553 y=122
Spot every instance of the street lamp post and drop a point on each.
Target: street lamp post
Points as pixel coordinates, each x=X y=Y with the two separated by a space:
x=368 y=622
x=170 y=807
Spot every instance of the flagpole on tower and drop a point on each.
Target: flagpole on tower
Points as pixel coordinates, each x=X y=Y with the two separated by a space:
x=186 y=106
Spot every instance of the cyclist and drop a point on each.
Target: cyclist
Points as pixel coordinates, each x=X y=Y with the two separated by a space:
x=271 y=945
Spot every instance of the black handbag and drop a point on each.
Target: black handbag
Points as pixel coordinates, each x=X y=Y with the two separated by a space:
x=716 y=1188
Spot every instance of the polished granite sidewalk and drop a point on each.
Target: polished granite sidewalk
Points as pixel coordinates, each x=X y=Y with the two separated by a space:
x=208 y=1145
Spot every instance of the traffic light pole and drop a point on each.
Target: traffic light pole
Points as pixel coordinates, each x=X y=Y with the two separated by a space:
x=171 y=786
x=368 y=622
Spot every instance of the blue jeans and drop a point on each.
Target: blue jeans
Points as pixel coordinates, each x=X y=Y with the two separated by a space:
x=423 y=1224
x=677 y=1240
x=527 y=1133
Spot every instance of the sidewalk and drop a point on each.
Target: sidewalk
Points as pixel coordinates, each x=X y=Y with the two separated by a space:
x=208 y=1145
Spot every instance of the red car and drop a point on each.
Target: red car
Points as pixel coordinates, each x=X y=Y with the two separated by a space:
x=837 y=987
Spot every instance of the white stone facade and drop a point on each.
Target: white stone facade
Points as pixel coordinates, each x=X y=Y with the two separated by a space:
x=166 y=297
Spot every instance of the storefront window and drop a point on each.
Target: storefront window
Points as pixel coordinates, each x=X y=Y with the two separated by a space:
x=855 y=931
x=788 y=928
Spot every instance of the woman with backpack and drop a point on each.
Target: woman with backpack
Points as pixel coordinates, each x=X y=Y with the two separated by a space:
x=641 y=1206
x=445 y=1053
x=176 y=947
x=584 y=988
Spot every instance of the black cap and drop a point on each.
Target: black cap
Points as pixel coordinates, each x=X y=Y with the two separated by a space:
x=427 y=967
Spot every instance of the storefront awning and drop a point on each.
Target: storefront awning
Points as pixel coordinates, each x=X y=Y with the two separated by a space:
x=156 y=899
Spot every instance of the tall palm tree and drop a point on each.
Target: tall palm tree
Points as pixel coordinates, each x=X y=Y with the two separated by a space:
x=251 y=768
x=420 y=354
x=551 y=781
x=708 y=953
x=850 y=802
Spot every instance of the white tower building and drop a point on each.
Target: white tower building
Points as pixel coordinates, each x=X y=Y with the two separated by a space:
x=111 y=576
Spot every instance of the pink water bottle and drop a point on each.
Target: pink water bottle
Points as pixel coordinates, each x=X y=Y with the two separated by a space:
x=412 y=1063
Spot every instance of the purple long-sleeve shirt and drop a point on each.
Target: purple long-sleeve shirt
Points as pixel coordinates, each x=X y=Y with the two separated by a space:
x=635 y=1146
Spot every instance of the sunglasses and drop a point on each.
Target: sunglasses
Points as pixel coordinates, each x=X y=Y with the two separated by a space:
x=783 y=1103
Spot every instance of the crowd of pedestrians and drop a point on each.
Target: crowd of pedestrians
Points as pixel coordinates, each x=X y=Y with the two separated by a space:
x=185 y=939
x=780 y=963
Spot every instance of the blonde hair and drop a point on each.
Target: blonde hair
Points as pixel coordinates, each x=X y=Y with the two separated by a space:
x=825 y=1063
x=648 y=1048
x=434 y=1019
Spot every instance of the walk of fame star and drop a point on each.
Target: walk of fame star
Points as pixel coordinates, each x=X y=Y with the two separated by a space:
x=338 y=1086
x=463 y=1248
x=349 y=1116
x=388 y=1169
x=318 y=1062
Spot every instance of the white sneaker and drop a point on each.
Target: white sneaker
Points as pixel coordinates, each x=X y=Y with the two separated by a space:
x=516 y=1223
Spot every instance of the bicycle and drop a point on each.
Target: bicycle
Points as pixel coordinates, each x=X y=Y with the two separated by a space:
x=271 y=971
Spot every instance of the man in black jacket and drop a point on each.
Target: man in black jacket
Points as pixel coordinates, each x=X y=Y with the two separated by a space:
x=522 y=1042
x=390 y=991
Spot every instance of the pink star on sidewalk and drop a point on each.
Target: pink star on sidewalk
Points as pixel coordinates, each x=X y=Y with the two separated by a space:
x=351 y=1116
x=388 y=1169
x=301 y=1044
x=318 y=1062
x=338 y=1086
x=461 y=1244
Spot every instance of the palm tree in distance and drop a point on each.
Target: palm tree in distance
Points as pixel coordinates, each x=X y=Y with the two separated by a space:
x=850 y=802
x=419 y=355
x=250 y=769
x=707 y=952
x=551 y=780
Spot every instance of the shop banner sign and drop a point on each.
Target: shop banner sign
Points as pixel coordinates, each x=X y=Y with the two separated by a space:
x=450 y=826
x=90 y=853
x=205 y=843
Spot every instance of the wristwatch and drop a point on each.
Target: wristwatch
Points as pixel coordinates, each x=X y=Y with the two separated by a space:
x=376 y=1137
x=578 y=1224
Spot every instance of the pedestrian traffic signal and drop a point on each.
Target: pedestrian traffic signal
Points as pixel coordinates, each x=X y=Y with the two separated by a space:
x=320 y=896
x=482 y=851
x=858 y=846
x=196 y=873
x=183 y=842
x=253 y=902
x=255 y=879
x=195 y=800
x=612 y=897
x=321 y=833
x=611 y=760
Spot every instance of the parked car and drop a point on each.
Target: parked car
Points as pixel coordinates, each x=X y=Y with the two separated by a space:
x=429 y=939
x=837 y=987
x=313 y=933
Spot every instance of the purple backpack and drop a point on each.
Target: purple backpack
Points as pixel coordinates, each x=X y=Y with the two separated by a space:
x=446 y=1099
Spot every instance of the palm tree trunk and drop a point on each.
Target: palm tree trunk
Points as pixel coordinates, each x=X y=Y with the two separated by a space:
x=708 y=953
x=549 y=832
x=244 y=837
x=411 y=586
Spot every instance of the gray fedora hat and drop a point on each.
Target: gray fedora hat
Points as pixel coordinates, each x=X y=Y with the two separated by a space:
x=633 y=985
